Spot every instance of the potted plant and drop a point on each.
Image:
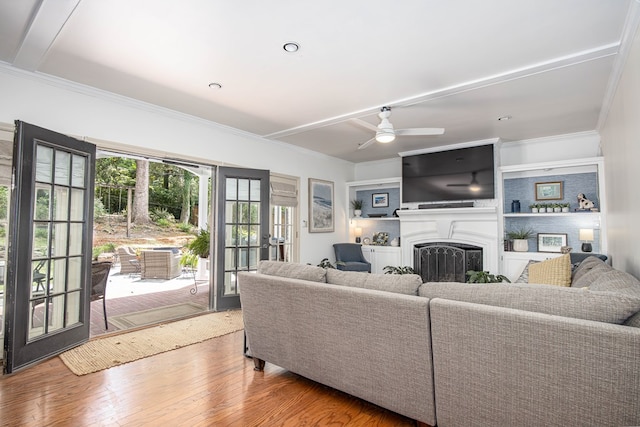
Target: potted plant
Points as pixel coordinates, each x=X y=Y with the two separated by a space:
x=390 y=269
x=520 y=239
x=565 y=207
x=474 y=276
x=200 y=248
x=557 y=207
x=356 y=204
x=534 y=207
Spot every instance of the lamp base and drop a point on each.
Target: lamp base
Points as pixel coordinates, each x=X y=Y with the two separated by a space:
x=357 y=240
x=586 y=247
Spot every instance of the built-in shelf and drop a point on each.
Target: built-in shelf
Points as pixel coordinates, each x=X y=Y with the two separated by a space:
x=523 y=214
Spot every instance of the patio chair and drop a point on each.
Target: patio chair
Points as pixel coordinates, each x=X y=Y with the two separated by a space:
x=126 y=255
x=349 y=257
x=163 y=264
x=99 y=275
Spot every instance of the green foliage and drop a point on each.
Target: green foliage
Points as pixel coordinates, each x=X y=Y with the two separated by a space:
x=521 y=234
x=185 y=228
x=325 y=263
x=106 y=248
x=474 y=276
x=165 y=223
x=200 y=245
x=189 y=259
x=390 y=269
x=4 y=206
x=356 y=204
x=98 y=209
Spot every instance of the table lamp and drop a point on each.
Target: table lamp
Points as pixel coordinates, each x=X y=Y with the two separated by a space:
x=586 y=236
x=358 y=233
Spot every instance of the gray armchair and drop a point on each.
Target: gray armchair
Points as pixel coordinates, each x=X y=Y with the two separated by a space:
x=349 y=257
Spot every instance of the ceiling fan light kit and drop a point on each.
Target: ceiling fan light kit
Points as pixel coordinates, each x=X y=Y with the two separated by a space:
x=385 y=133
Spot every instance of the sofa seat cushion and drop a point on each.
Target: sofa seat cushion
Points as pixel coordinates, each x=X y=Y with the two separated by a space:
x=406 y=284
x=554 y=271
x=293 y=270
x=585 y=304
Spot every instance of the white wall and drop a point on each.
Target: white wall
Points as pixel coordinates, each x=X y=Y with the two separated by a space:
x=621 y=149
x=80 y=111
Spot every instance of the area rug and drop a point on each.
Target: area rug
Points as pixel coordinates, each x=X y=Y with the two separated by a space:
x=156 y=315
x=110 y=351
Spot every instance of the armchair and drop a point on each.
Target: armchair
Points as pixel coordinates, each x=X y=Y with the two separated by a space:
x=99 y=276
x=126 y=255
x=349 y=257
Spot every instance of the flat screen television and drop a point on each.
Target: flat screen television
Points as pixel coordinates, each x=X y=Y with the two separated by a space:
x=459 y=174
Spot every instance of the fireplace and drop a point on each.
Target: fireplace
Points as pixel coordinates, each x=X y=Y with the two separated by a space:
x=446 y=262
x=457 y=227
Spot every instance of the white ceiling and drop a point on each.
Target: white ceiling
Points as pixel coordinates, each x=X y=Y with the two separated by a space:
x=457 y=64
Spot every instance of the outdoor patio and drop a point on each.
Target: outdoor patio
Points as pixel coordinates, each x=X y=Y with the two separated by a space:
x=128 y=293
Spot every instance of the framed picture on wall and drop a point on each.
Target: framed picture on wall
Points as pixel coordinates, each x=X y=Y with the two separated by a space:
x=549 y=190
x=380 y=200
x=551 y=242
x=321 y=217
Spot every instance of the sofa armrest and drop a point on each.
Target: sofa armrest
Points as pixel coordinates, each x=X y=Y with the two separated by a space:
x=371 y=344
x=500 y=366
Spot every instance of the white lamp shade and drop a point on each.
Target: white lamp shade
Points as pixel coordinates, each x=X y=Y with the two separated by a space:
x=358 y=232
x=586 y=234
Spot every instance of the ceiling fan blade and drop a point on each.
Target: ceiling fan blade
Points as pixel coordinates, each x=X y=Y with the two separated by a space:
x=420 y=131
x=364 y=124
x=366 y=144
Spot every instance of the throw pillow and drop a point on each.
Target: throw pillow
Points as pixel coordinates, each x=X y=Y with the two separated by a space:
x=524 y=276
x=555 y=271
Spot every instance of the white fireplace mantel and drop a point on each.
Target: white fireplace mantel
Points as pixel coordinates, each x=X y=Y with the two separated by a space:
x=473 y=226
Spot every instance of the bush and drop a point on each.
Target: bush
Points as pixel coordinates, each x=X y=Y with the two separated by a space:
x=106 y=248
x=185 y=228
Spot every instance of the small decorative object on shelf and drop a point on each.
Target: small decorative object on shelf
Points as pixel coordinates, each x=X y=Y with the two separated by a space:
x=356 y=204
x=520 y=239
x=586 y=236
x=534 y=207
x=515 y=206
x=584 y=203
x=381 y=238
x=358 y=234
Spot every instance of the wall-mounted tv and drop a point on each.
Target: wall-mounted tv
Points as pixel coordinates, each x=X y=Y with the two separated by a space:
x=459 y=174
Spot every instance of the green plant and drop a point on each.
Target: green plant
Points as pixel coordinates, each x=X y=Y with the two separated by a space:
x=106 y=248
x=185 y=228
x=356 y=204
x=189 y=259
x=520 y=234
x=162 y=222
x=200 y=245
x=325 y=263
x=390 y=269
x=475 y=276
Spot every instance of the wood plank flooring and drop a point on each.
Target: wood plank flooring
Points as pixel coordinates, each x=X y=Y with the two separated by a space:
x=206 y=384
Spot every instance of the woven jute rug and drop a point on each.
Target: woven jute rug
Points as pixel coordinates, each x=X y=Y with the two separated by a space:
x=110 y=351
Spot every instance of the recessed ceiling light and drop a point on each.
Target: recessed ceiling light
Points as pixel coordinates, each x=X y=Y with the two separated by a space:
x=291 y=47
x=215 y=85
x=504 y=118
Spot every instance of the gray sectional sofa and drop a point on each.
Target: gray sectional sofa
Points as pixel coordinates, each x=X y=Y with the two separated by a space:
x=454 y=354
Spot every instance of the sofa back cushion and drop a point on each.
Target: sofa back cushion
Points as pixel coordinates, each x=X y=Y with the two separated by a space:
x=591 y=267
x=406 y=284
x=293 y=270
x=585 y=304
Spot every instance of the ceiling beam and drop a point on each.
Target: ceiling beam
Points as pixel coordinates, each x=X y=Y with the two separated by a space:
x=46 y=22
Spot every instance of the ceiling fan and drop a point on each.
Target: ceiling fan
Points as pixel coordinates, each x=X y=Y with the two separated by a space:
x=474 y=185
x=385 y=132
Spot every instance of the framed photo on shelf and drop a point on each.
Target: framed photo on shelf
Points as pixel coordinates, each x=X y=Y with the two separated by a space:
x=549 y=190
x=321 y=217
x=380 y=200
x=551 y=242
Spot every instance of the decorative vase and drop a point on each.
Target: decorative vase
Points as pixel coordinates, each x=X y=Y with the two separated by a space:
x=515 y=206
x=357 y=212
x=520 y=245
x=534 y=210
x=557 y=209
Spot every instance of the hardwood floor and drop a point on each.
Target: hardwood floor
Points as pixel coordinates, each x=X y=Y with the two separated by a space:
x=206 y=384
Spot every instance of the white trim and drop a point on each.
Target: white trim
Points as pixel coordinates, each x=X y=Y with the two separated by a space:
x=440 y=148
